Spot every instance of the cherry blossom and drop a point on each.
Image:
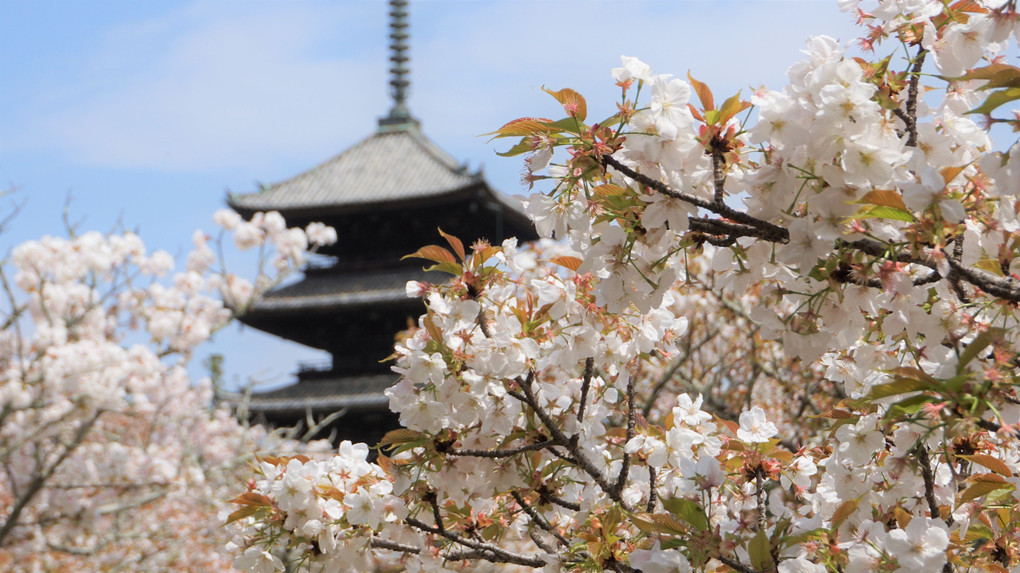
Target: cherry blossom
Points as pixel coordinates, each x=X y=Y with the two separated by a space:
x=772 y=339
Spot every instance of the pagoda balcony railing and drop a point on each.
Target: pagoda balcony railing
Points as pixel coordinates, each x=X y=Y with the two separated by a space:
x=314 y=370
x=320 y=263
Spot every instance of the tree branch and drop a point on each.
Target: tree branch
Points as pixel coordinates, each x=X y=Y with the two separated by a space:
x=486 y=551
x=768 y=231
x=538 y=519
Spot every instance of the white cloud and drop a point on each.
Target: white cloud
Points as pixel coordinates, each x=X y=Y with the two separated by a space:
x=219 y=85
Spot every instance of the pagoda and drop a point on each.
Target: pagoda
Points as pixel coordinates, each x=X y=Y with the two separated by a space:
x=386 y=197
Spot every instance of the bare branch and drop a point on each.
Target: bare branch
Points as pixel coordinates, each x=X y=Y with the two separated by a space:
x=503 y=453
x=538 y=519
x=486 y=551
x=589 y=370
x=769 y=231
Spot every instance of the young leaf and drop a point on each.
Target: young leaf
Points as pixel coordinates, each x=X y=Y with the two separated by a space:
x=732 y=107
x=572 y=263
x=455 y=243
x=522 y=147
x=997 y=99
x=883 y=212
x=884 y=198
x=999 y=75
x=992 y=463
x=687 y=510
x=983 y=484
x=522 y=127
x=432 y=253
x=980 y=342
x=760 y=551
x=573 y=103
x=704 y=94
x=845 y=510
x=243 y=512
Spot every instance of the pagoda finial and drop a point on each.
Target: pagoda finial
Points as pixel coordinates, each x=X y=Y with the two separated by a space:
x=399 y=116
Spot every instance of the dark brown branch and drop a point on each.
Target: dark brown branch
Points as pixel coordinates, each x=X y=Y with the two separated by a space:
x=929 y=482
x=537 y=540
x=538 y=519
x=589 y=371
x=668 y=375
x=433 y=500
x=621 y=480
x=759 y=495
x=769 y=231
x=912 y=93
x=726 y=228
x=736 y=565
x=485 y=551
x=718 y=175
x=393 y=546
x=545 y=496
x=502 y=453
x=652 y=498
x=527 y=395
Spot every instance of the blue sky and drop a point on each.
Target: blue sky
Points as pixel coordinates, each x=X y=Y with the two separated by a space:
x=147 y=113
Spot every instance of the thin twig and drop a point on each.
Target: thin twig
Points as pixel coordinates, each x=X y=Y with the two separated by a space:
x=502 y=453
x=769 y=231
x=487 y=551
x=589 y=370
x=538 y=519
x=621 y=480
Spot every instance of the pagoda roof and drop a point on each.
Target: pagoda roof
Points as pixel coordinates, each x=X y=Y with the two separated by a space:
x=394 y=166
x=336 y=288
x=325 y=395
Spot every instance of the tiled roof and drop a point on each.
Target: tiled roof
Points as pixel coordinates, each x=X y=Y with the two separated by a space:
x=325 y=395
x=336 y=289
x=389 y=166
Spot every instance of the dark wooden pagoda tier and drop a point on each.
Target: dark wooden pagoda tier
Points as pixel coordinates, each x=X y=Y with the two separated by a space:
x=386 y=197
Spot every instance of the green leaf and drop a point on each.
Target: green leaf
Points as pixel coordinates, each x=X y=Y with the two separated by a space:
x=983 y=484
x=884 y=212
x=998 y=75
x=658 y=523
x=760 y=551
x=997 y=99
x=980 y=342
x=908 y=406
x=897 y=386
x=568 y=125
x=451 y=268
x=845 y=510
x=521 y=148
x=687 y=510
x=608 y=190
x=732 y=107
x=400 y=436
x=990 y=265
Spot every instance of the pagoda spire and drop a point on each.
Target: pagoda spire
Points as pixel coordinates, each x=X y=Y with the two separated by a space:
x=399 y=116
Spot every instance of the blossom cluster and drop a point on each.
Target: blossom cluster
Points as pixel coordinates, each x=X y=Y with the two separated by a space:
x=782 y=340
x=113 y=457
